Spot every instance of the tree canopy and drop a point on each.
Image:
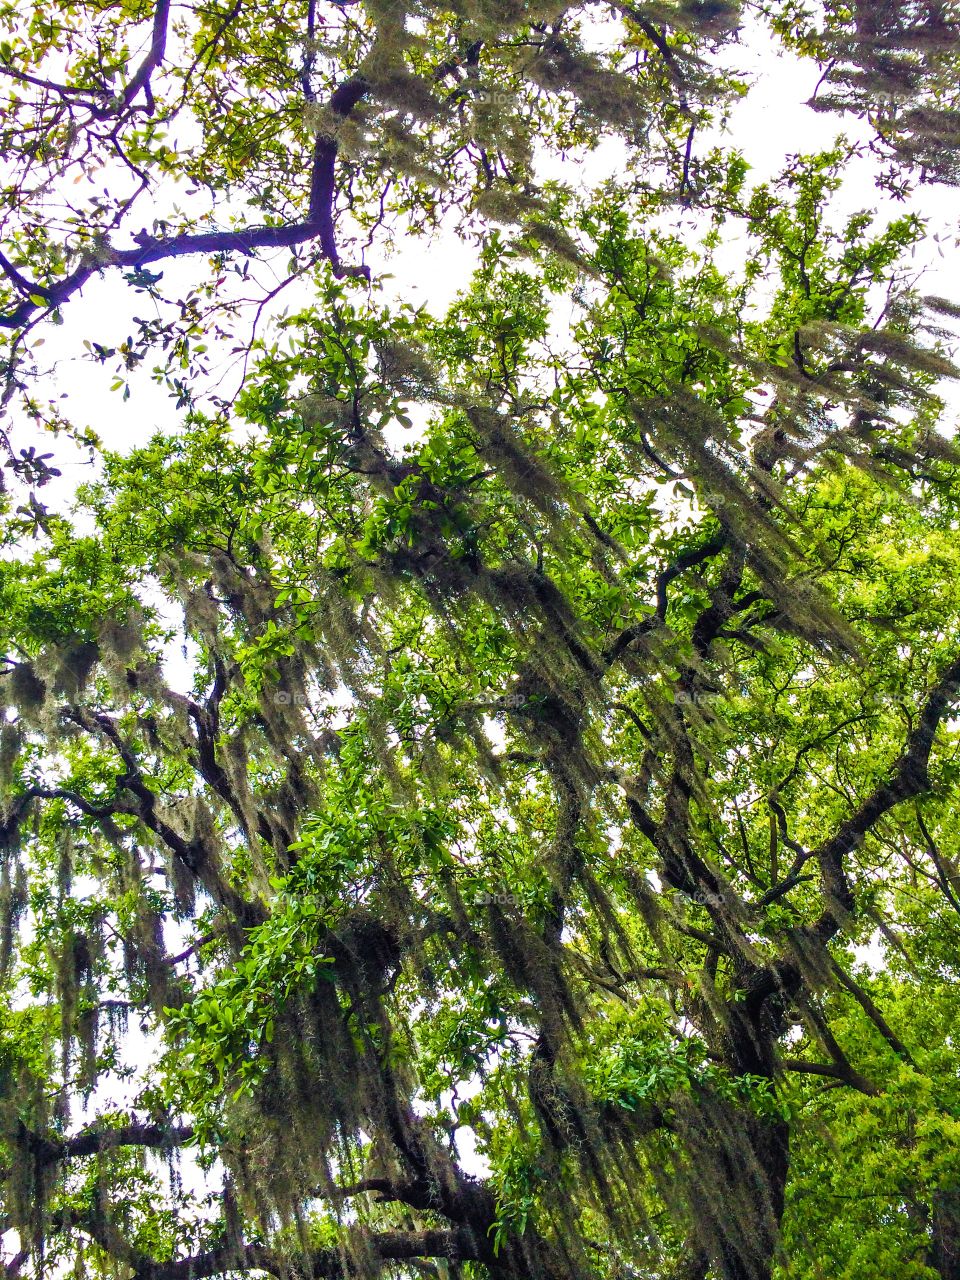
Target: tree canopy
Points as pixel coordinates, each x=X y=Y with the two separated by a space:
x=477 y=799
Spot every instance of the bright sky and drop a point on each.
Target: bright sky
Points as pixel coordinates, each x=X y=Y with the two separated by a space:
x=769 y=125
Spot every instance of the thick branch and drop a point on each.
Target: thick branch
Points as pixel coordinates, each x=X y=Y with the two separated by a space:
x=833 y=1072
x=97 y=1138
x=318 y=225
x=325 y=1264
x=686 y=560
x=909 y=778
x=380 y=1249
x=153 y=59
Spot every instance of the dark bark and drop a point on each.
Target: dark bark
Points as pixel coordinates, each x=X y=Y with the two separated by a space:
x=944 y=1254
x=318 y=225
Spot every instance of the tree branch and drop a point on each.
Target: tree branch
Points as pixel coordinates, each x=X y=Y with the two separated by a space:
x=835 y=1072
x=382 y=1248
x=457 y=1245
x=909 y=778
x=686 y=560
x=97 y=1138
x=873 y=1013
x=155 y=54
x=318 y=225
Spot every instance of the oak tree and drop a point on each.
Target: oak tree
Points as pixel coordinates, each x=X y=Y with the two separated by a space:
x=479 y=799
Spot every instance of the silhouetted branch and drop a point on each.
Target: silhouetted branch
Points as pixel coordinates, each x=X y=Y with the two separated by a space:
x=318 y=225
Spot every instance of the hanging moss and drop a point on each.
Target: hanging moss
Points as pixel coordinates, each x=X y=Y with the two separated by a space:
x=25 y=688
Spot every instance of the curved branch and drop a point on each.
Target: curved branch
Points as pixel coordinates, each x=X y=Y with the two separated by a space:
x=95 y=1139
x=834 y=1072
x=380 y=1249
x=318 y=225
x=155 y=54
x=909 y=779
x=325 y=1264
x=685 y=560
x=98 y=1138
x=118 y=103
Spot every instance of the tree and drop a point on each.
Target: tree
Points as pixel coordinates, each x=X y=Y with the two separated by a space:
x=526 y=853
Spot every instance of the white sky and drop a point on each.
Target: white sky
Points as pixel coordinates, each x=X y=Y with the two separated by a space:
x=769 y=125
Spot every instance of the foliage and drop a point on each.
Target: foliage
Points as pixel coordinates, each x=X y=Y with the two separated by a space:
x=479 y=799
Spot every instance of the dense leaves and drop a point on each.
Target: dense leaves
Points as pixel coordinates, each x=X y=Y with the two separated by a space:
x=481 y=798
